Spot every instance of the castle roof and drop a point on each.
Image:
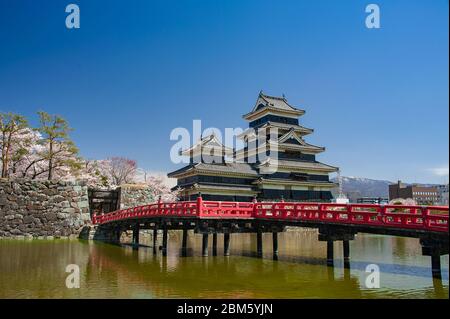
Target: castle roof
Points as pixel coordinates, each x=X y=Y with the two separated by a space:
x=282 y=126
x=266 y=103
x=225 y=168
x=207 y=145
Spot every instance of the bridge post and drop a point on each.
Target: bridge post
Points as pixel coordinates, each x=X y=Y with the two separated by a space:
x=205 y=245
x=135 y=240
x=331 y=233
x=435 y=248
x=155 y=238
x=164 y=242
x=275 y=245
x=184 y=243
x=330 y=253
x=214 y=248
x=346 y=248
x=259 y=243
x=436 y=266
x=226 y=244
x=199 y=204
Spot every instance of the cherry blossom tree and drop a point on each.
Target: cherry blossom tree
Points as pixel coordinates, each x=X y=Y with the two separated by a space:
x=95 y=173
x=47 y=152
x=159 y=185
x=121 y=170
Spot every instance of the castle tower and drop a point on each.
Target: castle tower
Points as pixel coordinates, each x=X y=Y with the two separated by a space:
x=296 y=174
x=276 y=162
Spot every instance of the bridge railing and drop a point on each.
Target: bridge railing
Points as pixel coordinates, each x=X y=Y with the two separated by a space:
x=432 y=218
x=159 y=209
x=219 y=209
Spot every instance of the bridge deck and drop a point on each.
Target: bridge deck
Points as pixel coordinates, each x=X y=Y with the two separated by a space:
x=396 y=219
x=335 y=222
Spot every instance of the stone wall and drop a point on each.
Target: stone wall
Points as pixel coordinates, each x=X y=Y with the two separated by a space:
x=30 y=208
x=135 y=195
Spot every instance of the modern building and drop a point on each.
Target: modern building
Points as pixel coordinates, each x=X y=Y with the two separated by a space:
x=275 y=163
x=423 y=195
x=443 y=194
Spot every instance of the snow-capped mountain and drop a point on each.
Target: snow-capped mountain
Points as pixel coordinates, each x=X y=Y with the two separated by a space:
x=356 y=187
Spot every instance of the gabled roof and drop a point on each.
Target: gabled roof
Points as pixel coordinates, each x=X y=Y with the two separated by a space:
x=293 y=135
x=316 y=166
x=281 y=181
x=243 y=169
x=206 y=145
x=273 y=103
x=296 y=128
x=250 y=132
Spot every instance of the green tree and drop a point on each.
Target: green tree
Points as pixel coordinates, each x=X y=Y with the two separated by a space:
x=59 y=150
x=12 y=139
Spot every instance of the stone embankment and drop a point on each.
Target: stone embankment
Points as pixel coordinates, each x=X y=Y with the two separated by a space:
x=42 y=209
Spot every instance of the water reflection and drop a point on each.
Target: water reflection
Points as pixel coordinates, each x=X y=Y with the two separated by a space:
x=37 y=269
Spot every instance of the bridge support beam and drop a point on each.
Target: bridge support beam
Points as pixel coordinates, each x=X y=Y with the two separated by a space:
x=346 y=250
x=184 y=243
x=214 y=245
x=436 y=266
x=332 y=233
x=155 y=239
x=275 y=245
x=434 y=248
x=259 y=243
x=205 y=245
x=135 y=239
x=164 y=241
x=226 y=244
x=330 y=253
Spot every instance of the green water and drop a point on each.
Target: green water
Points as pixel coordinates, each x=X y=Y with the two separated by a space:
x=36 y=269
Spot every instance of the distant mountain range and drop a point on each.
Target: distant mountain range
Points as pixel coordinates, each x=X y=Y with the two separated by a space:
x=356 y=187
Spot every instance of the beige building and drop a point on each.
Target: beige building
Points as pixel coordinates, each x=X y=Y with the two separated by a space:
x=423 y=195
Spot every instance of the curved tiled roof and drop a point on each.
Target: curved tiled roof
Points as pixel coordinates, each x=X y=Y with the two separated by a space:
x=239 y=168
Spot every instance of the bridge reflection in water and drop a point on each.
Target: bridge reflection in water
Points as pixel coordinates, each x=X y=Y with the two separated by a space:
x=334 y=222
x=36 y=269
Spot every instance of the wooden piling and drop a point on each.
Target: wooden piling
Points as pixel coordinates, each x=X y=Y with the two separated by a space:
x=164 y=243
x=436 y=266
x=346 y=249
x=214 y=248
x=184 y=243
x=275 y=245
x=135 y=239
x=259 y=243
x=155 y=239
x=205 y=245
x=330 y=253
x=226 y=244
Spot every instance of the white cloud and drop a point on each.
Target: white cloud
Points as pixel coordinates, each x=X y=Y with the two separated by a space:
x=440 y=171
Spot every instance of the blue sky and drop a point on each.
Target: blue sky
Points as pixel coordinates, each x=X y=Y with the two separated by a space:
x=377 y=98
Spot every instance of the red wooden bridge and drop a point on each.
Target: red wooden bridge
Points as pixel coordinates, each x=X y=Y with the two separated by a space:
x=334 y=222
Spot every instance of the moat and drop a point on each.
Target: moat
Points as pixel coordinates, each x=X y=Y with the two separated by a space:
x=36 y=269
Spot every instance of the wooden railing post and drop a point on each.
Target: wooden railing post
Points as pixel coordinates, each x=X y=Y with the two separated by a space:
x=159 y=205
x=425 y=211
x=381 y=214
x=199 y=205
x=255 y=209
